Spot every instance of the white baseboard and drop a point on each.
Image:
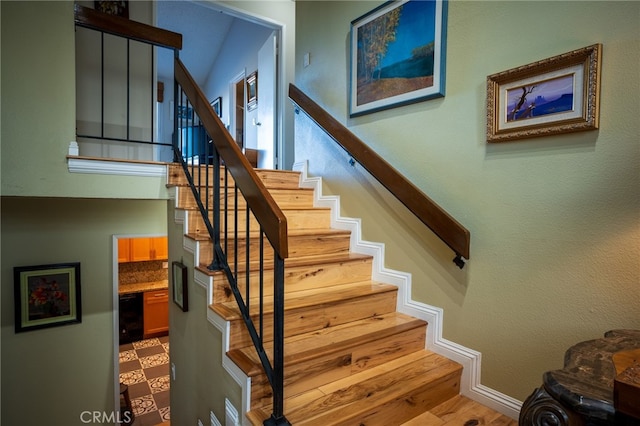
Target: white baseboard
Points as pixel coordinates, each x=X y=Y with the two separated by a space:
x=470 y=360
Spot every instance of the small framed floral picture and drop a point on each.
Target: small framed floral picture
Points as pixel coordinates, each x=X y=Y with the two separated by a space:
x=46 y=296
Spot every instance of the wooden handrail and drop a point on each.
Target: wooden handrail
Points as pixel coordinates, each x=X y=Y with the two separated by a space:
x=116 y=25
x=262 y=204
x=456 y=236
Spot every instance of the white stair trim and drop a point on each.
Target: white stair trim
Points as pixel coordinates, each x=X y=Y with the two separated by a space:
x=470 y=385
x=230 y=367
x=93 y=166
x=205 y=281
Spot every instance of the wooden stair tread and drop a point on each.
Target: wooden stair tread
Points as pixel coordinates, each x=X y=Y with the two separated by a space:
x=350 y=358
x=323 y=343
x=243 y=208
x=305 y=346
x=293 y=262
x=460 y=410
x=351 y=400
x=270 y=178
x=304 y=298
x=323 y=232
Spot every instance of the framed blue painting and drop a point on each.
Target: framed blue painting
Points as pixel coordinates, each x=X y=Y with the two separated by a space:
x=397 y=55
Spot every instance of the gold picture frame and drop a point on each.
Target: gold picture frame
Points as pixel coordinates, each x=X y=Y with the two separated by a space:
x=552 y=96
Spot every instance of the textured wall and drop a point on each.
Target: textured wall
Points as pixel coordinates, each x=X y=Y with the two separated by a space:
x=67 y=369
x=554 y=221
x=39 y=108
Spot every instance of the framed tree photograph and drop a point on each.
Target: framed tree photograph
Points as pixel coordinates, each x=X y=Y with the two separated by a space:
x=46 y=296
x=552 y=96
x=179 y=286
x=397 y=55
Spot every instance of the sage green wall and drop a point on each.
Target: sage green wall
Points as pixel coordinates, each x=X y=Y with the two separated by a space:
x=554 y=221
x=201 y=384
x=38 y=109
x=50 y=376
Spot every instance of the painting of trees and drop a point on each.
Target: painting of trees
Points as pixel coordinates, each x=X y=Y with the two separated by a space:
x=397 y=54
x=373 y=40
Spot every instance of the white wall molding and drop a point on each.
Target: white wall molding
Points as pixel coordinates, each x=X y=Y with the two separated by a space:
x=470 y=385
x=230 y=367
x=206 y=281
x=103 y=167
x=231 y=417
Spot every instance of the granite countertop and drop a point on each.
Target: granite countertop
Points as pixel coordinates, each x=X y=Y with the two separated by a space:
x=140 y=287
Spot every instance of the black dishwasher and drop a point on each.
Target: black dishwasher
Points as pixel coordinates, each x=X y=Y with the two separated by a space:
x=131 y=319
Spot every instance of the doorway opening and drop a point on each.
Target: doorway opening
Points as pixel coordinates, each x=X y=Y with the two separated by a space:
x=141 y=328
x=257 y=130
x=237 y=87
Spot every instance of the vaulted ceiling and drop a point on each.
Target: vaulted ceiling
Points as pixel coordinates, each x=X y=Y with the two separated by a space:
x=203 y=30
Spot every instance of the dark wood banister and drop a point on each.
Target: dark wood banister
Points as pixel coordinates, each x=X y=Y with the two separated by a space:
x=262 y=204
x=91 y=18
x=456 y=236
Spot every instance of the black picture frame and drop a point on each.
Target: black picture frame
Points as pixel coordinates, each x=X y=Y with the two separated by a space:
x=47 y=296
x=179 y=285
x=252 y=91
x=216 y=104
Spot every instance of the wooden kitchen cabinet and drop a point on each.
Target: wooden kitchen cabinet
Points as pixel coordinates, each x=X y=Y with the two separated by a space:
x=156 y=313
x=142 y=249
x=160 y=248
x=124 y=250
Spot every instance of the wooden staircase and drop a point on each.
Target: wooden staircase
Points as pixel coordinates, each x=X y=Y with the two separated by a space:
x=350 y=357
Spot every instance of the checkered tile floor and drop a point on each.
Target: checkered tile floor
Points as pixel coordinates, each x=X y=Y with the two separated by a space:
x=144 y=367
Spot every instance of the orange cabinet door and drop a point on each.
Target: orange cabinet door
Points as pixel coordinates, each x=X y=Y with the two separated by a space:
x=124 y=250
x=140 y=249
x=160 y=248
x=156 y=312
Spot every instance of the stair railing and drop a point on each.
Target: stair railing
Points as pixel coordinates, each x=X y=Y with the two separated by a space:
x=209 y=155
x=211 y=159
x=449 y=230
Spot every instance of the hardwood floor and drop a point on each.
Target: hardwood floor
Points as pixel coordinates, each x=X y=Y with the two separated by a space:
x=461 y=411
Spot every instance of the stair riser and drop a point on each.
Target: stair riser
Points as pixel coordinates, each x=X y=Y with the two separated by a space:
x=299 y=245
x=319 y=371
x=390 y=397
x=317 y=317
x=404 y=408
x=285 y=198
x=296 y=220
x=270 y=178
x=297 y=278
